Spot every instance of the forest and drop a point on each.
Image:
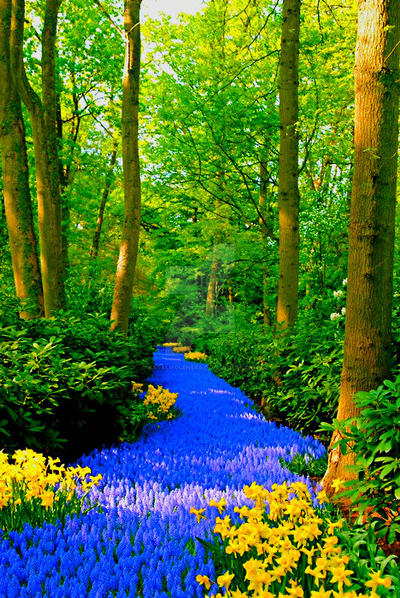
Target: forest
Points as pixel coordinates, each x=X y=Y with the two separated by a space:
x=200 y=300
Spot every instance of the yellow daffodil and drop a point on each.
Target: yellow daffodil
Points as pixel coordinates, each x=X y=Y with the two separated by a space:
x=376 y=580
x=220 y=505
x=203 y=580
x=225 y=580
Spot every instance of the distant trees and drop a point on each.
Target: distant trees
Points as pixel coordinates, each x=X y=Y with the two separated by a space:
x=130 y=161
x=368 y=348
x=286 y=312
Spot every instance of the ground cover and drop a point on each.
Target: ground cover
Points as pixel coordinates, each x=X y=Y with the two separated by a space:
x=143 y=541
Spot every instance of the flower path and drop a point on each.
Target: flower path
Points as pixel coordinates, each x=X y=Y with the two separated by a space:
x=143 y=543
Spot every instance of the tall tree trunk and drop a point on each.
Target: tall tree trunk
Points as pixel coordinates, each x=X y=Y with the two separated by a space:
x=212 y=289
x=288 y=167
x=107 y=185
x=265 y=234
x=17 y=199
x=131 y=169
x=367 y=349
x=43 y=119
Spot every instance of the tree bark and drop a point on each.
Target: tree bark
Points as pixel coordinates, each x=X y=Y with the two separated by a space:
x=265 y=235
x=212 y=289
x=131 y=168
x=17 y=199
x=107 y=185
x=43 y=119
x=288 y=167
x=367 y=349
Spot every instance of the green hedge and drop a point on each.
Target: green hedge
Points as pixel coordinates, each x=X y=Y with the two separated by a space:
x=66 y=382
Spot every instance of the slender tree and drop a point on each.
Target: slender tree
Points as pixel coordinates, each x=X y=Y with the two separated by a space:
x=106 y=191
x=17 y=199
x=367 y=349
x=131 y=170
x=288 y=166
x=266 y=233
x=43 y=115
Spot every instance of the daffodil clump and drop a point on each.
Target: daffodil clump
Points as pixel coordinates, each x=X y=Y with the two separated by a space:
x=170 y=344
x=161 y=403
x=35 y=489
x=195 y=356
x=284 y=547
x=181 y=349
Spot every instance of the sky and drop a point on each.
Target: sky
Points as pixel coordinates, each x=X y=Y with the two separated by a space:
x=153 y=8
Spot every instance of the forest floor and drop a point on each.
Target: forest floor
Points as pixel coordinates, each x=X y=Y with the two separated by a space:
x=143 y=542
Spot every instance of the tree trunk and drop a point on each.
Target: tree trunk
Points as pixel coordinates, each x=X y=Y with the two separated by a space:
x=43 y=119
x=17 y=199
x=288 y=167
x=265 y=235
x=107 y=185
x=212 y=289
x=367 y=350
x=131 y=169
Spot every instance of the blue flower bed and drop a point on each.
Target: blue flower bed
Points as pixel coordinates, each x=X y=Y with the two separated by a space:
x=143 y=543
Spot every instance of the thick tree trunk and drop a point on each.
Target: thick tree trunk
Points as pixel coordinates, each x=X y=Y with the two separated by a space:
x=367 y=351
x=288 y=167
x=43 y=120
x=107 y=185
x=265 y=235
x=131 y=169
x=17 y=200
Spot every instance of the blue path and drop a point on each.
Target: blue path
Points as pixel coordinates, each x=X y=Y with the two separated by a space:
x=142 y=544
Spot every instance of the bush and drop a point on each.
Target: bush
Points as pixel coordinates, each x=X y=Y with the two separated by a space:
x=67 y=383
x=295 y=377
x=374 y=438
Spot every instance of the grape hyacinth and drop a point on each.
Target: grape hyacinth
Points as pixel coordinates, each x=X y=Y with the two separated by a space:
x=143 y=542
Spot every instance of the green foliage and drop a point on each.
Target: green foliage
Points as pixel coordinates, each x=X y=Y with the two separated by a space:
x=306 y=465
x=67 y=382
x=296 y=377
x=374 y=438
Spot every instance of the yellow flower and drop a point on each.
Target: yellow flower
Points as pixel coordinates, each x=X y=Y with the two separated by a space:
x=238 y=594
x=340 y=576
x=295 y=591
x=220 y=504
x=198 y=513
x=322 y=497
x=334 y=525
x=337 y=484
x=321 y=593
x=376 y=580
x=47 y=499
x=225 y=580
x=203 y=580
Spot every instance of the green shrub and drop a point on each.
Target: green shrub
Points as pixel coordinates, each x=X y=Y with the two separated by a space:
x=374 y=438
x=67 y=383
x=306 y=465
x=295 y=377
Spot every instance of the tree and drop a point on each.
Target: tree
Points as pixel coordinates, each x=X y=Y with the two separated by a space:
x=367 y=349
x=286 y=313
x=131 y=170
x=94 y=250
x=43 y=115
x=17 y=199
